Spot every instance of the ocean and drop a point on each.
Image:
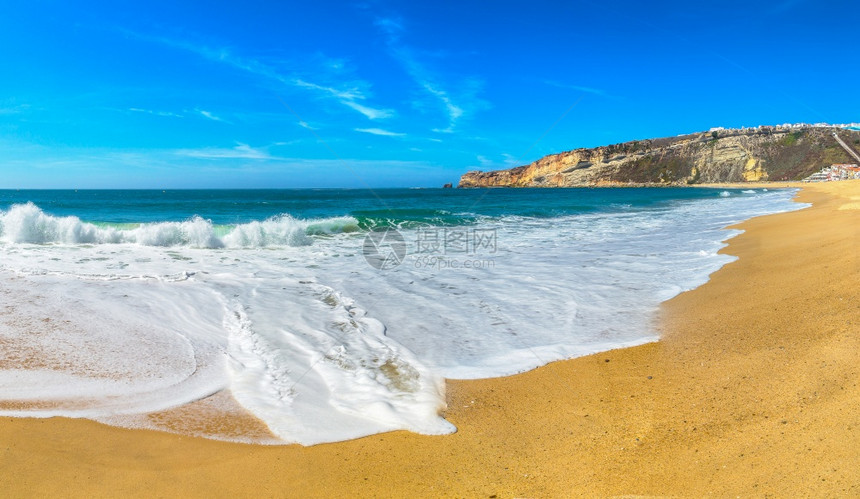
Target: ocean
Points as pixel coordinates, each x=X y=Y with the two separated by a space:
x=331 y=314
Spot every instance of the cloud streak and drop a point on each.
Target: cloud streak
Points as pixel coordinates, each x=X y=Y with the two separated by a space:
x=210 y=116
x=352 y=98
x=380 y=131
x=348 y=98
x=306 y=125
x=578 y=88
x=508 y=161
x=14 y=109
x=241 y=151
x=166 y=114
x=428 y=82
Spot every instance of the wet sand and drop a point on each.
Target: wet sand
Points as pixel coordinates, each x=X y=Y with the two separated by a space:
x=752 y=390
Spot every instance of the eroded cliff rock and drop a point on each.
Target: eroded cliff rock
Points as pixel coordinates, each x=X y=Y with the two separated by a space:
x=744 y=155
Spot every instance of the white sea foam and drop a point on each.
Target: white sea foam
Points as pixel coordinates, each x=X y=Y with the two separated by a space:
x=111 y=323
x=27 y=223
x=94 y=348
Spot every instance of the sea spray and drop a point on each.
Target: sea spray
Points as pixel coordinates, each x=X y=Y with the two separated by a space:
x=27 y=223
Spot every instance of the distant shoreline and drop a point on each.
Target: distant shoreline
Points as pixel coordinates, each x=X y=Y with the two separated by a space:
x=714 y=185
x=763 y=154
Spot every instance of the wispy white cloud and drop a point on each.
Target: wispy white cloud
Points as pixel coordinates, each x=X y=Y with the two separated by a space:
x=208 y=115
x=241 y=151
x=393 y=28
x=371 y=113
x=305 y=124
x=508 y=161
x=380 y=131
x=578 y=88
x=454 y=111
x=349 y=94
x=485 y=161
x=18 y=109
x=352 y=97
x=348 y=98
x=155 y=113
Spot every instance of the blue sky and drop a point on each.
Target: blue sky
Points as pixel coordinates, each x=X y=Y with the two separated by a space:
x=373 y=94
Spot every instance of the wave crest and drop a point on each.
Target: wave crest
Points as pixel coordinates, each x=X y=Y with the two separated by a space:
x=28 y=224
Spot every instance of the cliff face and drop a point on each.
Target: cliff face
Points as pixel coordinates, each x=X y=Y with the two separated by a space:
x=746 y=155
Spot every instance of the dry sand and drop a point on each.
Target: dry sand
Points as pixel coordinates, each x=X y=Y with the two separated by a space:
x=753 y=390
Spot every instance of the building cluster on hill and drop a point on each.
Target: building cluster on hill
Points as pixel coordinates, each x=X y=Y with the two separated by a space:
x=835 y=172
x=783 y=128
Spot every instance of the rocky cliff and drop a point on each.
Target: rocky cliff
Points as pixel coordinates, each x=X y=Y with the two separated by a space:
x=725 y=155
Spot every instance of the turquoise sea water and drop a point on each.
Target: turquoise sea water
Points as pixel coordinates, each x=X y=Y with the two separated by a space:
x=371 y=208
x=122 y=303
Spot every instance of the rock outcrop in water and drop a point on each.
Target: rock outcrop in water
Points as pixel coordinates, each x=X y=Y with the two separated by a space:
x=724 y=155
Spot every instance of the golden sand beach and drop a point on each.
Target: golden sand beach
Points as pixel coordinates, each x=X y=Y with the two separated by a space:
x=752 y=390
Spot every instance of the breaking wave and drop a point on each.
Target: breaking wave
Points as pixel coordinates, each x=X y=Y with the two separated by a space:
x=28 y=224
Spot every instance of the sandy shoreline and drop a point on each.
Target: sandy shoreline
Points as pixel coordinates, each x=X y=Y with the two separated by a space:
x=752 y=390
